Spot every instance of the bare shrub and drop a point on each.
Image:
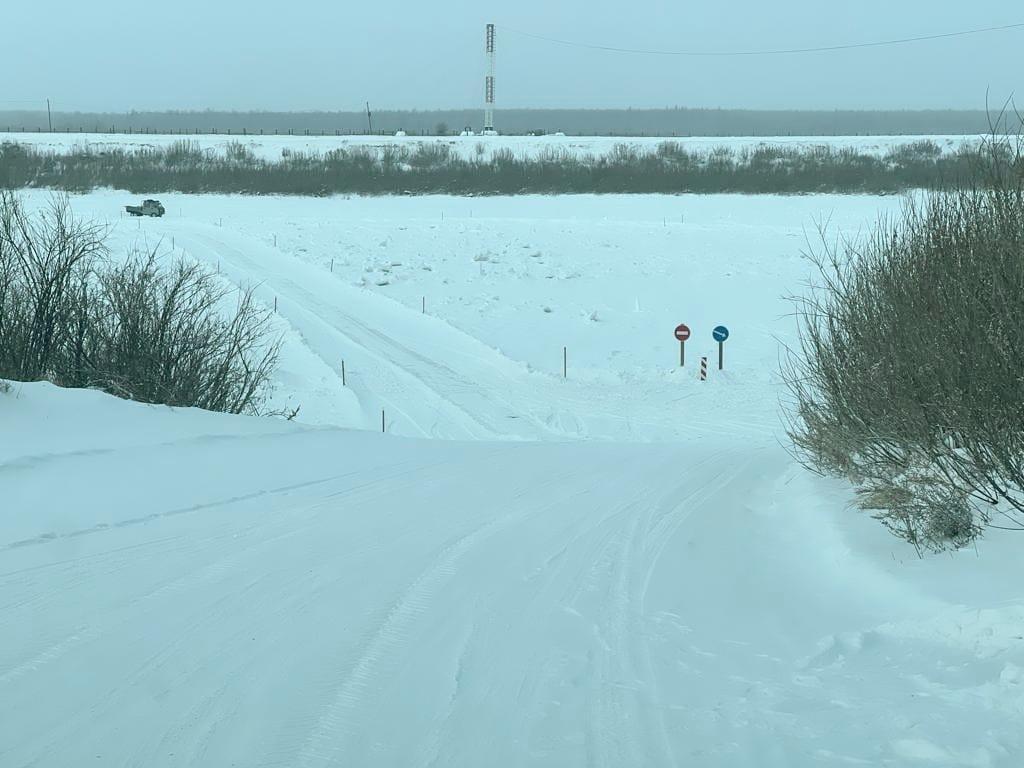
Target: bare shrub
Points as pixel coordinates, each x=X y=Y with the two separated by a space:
x=136 y=328
x=909 y=378
x=43 y=259
x=239 y=154
x=430 y=155
x=161 y=335
x=183 y=152
x=435 y=168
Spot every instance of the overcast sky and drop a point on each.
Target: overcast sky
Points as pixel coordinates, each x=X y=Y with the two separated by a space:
x=336 y=54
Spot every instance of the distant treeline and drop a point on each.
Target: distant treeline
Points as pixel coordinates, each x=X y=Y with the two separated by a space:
x=581 y=122
x=433 y=168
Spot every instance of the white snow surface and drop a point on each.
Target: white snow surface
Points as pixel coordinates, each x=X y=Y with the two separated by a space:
x=620 y=568
x=271 y=147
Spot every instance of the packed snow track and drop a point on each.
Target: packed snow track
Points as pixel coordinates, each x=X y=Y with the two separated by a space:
x=618 y=568
x=320 y=597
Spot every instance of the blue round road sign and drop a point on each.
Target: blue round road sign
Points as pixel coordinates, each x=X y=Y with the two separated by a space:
x=720 y=333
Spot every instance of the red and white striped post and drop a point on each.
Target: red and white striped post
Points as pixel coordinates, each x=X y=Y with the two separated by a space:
x=703 y=369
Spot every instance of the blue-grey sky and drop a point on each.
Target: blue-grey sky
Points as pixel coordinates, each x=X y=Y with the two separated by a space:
x=337 y=54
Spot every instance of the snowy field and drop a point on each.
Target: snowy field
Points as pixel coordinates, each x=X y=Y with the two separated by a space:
x=507 y=283
x=621 y=567
x=272 y=147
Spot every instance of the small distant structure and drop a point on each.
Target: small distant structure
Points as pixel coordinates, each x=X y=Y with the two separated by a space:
x=400 y=132
x=467 y=131
x=489 y=86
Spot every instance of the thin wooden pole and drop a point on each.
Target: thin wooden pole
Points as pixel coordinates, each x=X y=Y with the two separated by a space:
x=382 y=429
x=343 y=374
x=565 y=363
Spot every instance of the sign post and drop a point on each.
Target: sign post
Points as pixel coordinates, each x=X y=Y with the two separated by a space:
x=720 y=334
x=682 y=333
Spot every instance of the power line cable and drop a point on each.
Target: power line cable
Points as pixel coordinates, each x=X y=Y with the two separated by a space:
x=769 y=52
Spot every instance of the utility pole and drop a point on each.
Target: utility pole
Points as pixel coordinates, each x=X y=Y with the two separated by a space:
x=49 y=117
x=369 y=118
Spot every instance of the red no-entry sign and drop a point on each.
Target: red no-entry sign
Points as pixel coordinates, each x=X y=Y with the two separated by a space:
x=682 y=334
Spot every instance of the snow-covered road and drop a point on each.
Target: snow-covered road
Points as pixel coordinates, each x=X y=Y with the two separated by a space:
x=186 y=588
x=247 y=619
x=285 y=596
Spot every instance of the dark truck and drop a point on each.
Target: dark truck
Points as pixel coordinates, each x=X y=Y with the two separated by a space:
x=148 y=208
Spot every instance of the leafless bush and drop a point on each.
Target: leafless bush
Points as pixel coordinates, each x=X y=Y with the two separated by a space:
x=910 y=376
x=43 y=260
x=240 y=154
x=183 y=152
x=432 y=168
x=160 y=335
x=136 y=328
x=430 y=155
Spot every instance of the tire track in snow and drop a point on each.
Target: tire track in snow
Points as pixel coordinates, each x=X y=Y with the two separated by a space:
x=337 y=722
x=266 y=601
x=398 y=367
x=50 y=654
x=433 y=750
x=254 y=538
x=430 y=396
x=627 y=716
x=658 y=532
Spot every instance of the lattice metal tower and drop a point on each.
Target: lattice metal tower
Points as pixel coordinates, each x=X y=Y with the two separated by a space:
x=489 y=84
